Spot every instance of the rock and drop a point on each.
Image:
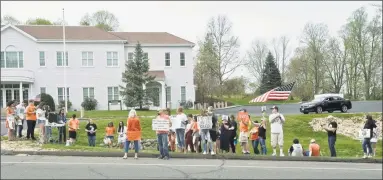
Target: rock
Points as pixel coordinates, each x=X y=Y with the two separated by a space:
x=349 y=127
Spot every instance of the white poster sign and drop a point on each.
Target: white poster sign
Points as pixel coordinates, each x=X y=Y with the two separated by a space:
x=263 y=108
x=160 y=125
x=176 y=123
x=205 y=122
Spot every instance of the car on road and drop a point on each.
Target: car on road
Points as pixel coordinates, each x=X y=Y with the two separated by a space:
x=326 y=103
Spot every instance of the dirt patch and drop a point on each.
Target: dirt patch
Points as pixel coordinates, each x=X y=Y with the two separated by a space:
x=349 y=126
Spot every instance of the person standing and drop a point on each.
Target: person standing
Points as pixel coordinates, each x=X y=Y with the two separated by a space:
x=233 y=137
x=244 y=122
x=31 y=119
x=374 y=140
x=367 y=149
x=254 y=137
x=189 y=135
x=213 y=131
x=121 y=134
x=91 y=129
x=41 y=121
x=20 y=111
x=73 y=126
x=196 y=134
x=277 y=120
x=225 y=134
x=162 y=136
x=180 y=131
x=133 y=133
x=331 y=134
x=10 y=122
x=62 y=130
x=262 y=136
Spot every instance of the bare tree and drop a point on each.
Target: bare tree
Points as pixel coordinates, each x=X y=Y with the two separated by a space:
x=7 y=19
x=284 y=41
x=314 y=38
x=256 y=57
x=102 y=19
x=335 y=62
x=226 y=49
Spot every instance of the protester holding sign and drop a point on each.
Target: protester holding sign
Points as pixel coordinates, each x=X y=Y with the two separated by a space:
x=225 y=134
x=369 y=126
x=133 y=133
x=161 y=125
x=205 y=124
x=91 y=129
x=244 y=122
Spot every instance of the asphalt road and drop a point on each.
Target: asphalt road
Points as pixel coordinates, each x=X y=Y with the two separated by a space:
x=51 y=167
x=357 y=107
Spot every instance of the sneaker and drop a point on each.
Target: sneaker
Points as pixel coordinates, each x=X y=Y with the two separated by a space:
x=212 y=153
x=166 y=158
x=369 y=156
x=281 y=154
x=160 y=157
x=274 y=154
x=125 y=157
x=365 y=156
x=204 y=153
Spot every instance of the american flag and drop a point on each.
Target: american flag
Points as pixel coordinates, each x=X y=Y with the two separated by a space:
x=279 y=93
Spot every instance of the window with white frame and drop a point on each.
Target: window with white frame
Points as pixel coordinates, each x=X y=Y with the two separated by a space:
x=87 y=59
x=146 y=56
x=60 y=94
x=42 y=58
x=168 y=94
x=60 y=58
x=88 y=92
x=130 y=56
x=183 y=93
x=182 y=59
x=112 y=59
x=12 y=59
x=43 y=90
x=113 y=94
x=167 y=59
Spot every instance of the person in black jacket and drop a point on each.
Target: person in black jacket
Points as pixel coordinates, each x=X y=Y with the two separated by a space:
x=370 y=124
x=233 y=133
x=331 y=133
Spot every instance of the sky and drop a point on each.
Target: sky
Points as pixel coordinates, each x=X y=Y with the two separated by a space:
x=251 y=19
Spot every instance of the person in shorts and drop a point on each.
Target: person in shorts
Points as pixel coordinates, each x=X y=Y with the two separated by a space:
x=73 y=126
x=276 y=127
x=109 y=133
x=243 y=119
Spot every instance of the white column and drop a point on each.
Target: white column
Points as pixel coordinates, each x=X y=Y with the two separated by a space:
x=163 y=95
x=21 y=92
x=4 y=103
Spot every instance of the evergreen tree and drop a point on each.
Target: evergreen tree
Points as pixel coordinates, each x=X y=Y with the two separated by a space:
x=271 y=78
x=135 y=77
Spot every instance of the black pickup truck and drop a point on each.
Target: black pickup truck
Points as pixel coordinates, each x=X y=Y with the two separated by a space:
x=328 y=103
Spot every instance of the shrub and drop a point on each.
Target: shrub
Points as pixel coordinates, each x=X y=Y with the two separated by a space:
x=89 y=104
x=62 y=104
x=48 y=100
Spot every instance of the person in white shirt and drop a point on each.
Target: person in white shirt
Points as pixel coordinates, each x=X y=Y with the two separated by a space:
x=41 y=121
x=180 y=131
x=276 y=127
x=20 y=111
x=296 y=149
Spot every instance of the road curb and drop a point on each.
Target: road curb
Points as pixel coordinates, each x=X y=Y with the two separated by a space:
x=193 y=156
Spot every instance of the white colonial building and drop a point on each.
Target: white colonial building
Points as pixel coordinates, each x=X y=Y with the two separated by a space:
x=32 y=63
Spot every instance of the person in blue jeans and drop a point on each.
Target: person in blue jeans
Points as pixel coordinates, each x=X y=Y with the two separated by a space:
x=262 y=136
x=331 y=133
x=91 y=129
x=162 y=137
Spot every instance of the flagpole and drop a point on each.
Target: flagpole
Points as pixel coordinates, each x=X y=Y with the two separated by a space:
x=64 y=64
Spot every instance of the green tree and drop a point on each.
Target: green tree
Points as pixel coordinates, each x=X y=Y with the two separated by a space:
x=39 y=21
x=134 y=78
x=104 y=20
x=271 y=78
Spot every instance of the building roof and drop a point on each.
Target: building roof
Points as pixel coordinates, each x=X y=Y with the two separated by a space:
x=91 y=33
x=151 y=38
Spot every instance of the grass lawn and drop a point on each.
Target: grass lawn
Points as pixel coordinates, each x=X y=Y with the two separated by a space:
x=238 y=100
x=296 y=127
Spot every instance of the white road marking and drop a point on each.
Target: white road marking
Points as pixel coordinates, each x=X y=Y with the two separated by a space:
x=195 y=165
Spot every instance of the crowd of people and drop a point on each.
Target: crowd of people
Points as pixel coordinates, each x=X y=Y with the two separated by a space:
x=222 y=137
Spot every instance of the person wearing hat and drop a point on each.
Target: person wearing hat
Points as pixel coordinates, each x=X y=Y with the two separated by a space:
x=276 y=128
x=314 y=149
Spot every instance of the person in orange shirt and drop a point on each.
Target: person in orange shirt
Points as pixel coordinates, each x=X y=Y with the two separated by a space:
x=254 y=137
x=244 y=122
x=314 y=149
x=109 y=131
x=10 y=122
x=31 y=119
x=133 y=133
x=73 y=125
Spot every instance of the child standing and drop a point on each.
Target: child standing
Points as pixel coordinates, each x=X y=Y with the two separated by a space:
x=110 y=130
x=195 y=134
x=254 y=137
